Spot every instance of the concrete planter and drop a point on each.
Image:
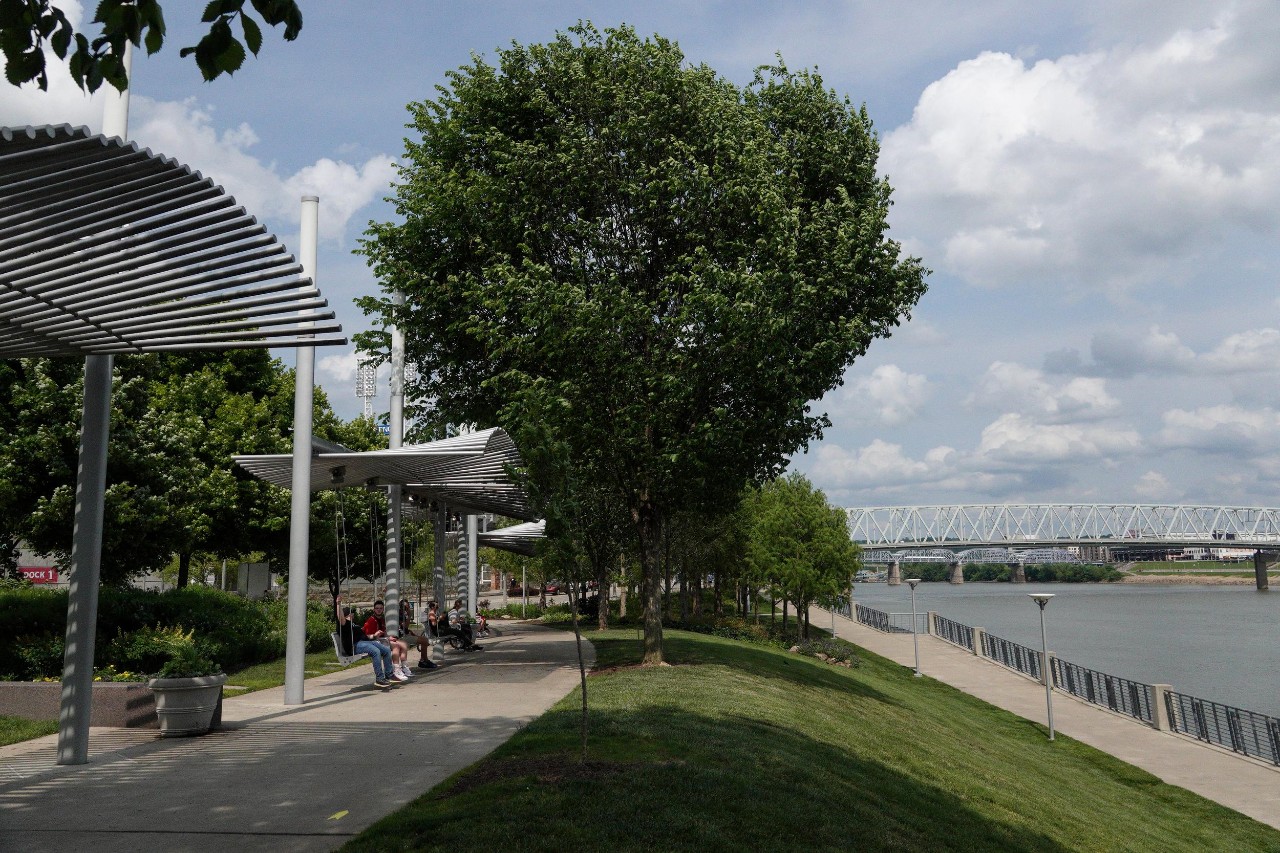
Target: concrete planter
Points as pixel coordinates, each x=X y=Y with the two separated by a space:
x=187 y=706
x=117 y=704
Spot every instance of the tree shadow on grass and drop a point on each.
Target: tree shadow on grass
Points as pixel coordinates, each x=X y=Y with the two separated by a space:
x=698 y=649
x=738 y=784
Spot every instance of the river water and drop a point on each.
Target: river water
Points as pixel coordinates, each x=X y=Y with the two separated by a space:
x=1214 y=642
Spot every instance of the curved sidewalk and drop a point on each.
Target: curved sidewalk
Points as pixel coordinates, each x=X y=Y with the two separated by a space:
x=1240 y=783
x=299 y=778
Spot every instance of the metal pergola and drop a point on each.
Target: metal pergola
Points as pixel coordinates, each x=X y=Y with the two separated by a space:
x=468 y=473
x=106 y=249
x=518 y=538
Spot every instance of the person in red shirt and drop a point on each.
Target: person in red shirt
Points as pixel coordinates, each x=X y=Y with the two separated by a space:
x=375 y=627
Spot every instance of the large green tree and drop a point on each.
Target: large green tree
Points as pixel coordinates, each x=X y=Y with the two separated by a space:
x=172 y=488
x=639 y=269
x=797 y=544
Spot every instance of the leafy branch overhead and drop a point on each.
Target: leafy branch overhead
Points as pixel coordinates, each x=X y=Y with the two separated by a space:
x=29 y=27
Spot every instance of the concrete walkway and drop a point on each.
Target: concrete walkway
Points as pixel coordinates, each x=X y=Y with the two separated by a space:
x=1240 y=783
x=301 y=778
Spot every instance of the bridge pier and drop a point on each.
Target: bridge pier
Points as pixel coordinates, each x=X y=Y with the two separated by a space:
x=895 y=573
x=955 y=573
x=1017 y=573
x=1260 y=570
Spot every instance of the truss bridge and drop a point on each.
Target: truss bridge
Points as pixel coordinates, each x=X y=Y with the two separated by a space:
x=1021 y=534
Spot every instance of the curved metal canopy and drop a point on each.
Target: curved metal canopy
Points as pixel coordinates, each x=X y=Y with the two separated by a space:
x=467 y=472
x=518 y=538
x=109 y=249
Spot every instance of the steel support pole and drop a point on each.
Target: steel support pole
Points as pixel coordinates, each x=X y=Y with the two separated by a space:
x=395 y=438
x=472 y=577
x=76 y=701
x=86 y=564
x=1044 y=665
x=437 y=578
x=300 y=508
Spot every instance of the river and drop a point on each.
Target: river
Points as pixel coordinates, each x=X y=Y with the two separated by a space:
x=1215 y=642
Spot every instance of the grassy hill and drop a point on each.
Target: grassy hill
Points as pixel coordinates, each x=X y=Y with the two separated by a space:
x=744 y=747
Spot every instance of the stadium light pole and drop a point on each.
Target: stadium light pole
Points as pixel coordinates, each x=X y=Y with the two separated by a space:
x=1042 y=598
x=915 y=635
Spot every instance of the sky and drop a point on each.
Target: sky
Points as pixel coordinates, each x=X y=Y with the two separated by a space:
x=1094 y=185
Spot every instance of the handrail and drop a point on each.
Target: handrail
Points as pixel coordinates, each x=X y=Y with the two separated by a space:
x=953 y=632
x=1246 y=732
x=1108 y=691
x=1015 y=656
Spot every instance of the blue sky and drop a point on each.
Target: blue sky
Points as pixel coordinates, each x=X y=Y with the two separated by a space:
x=1096 y=186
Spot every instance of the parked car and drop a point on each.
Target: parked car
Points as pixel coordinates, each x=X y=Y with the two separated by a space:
x=552 y=587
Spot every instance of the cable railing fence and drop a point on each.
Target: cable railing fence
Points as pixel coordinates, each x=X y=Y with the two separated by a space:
x=953 y=632
x=1016 y=656
x=1110 y=691
x=1245 y=732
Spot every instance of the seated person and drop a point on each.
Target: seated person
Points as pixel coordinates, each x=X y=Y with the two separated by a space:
x=458 y=626
x=431 y=629
x=376 y=629
x=354 y=642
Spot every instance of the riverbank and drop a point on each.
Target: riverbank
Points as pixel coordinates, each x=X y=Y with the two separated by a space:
x=1186 y=580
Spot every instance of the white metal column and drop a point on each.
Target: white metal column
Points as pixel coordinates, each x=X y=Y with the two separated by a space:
x=295 y=655
x=395 y=533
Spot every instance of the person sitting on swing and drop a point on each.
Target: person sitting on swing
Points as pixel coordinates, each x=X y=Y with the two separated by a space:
x=459 y=626
x=430 y=630
x=375 y=627
x=354 y=642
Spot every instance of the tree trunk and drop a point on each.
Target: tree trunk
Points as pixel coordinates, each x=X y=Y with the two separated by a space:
x=806 y=617
x=602 y=597
x=684 y=593
x=785 y=602
x=719 y=605
x=184 y=568
x=651 y=575
x=622 y=600
x=582 y=669
x=697 y=597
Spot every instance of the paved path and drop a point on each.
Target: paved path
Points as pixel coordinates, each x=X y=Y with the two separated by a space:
x=301 y=778
x=1237 y=782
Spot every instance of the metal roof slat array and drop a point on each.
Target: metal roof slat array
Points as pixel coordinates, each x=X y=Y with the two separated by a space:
x=106 y=248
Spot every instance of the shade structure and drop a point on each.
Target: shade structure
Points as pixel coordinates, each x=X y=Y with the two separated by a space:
x=106 y=248
x=468 y=473
x=518 y=538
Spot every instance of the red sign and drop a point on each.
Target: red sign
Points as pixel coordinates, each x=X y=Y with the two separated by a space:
x=40 y=574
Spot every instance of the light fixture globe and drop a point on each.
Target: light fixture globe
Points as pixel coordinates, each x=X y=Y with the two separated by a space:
x=1041 y=598
x=911 y=582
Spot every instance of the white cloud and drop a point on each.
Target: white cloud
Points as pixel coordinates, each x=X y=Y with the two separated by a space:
x=890 y=394
x=1126 y=354
x=1222 y=429
x=1154 y=486
x=339 y=368
x=1098 y=170
x=1255 y=350
x=187 y=133
x=1015 y=438
x=1013 y=385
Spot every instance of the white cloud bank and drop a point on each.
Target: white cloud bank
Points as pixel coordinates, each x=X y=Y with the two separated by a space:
x=1097 y=170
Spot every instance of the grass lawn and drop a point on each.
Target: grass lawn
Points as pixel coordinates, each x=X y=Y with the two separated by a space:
x=740 y=747
x=271 y=674
x=16 y=729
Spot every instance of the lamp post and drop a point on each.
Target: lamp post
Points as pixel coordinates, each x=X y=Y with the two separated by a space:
x=915 y=636
x=1042 y=598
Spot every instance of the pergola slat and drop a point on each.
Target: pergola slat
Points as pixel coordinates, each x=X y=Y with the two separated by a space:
x=109 y=249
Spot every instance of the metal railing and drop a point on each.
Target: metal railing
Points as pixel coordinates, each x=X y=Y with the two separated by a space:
x=900 y=623
x=953 y=632
x=890 y=623
x=1245 y=732
x=1016 y=656
x=1108 y=691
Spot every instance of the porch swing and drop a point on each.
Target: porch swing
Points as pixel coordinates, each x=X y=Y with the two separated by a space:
x=342 y=573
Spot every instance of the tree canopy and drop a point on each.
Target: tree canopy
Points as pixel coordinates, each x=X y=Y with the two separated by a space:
x=28 y=27
x=639 y=269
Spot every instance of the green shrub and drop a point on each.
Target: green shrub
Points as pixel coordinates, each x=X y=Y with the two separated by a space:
x=148 y=649
x=188 y=663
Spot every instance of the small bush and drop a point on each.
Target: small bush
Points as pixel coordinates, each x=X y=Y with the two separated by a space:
x=149 y=649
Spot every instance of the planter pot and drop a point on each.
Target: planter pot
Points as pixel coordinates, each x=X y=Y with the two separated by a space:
x=186 y=706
